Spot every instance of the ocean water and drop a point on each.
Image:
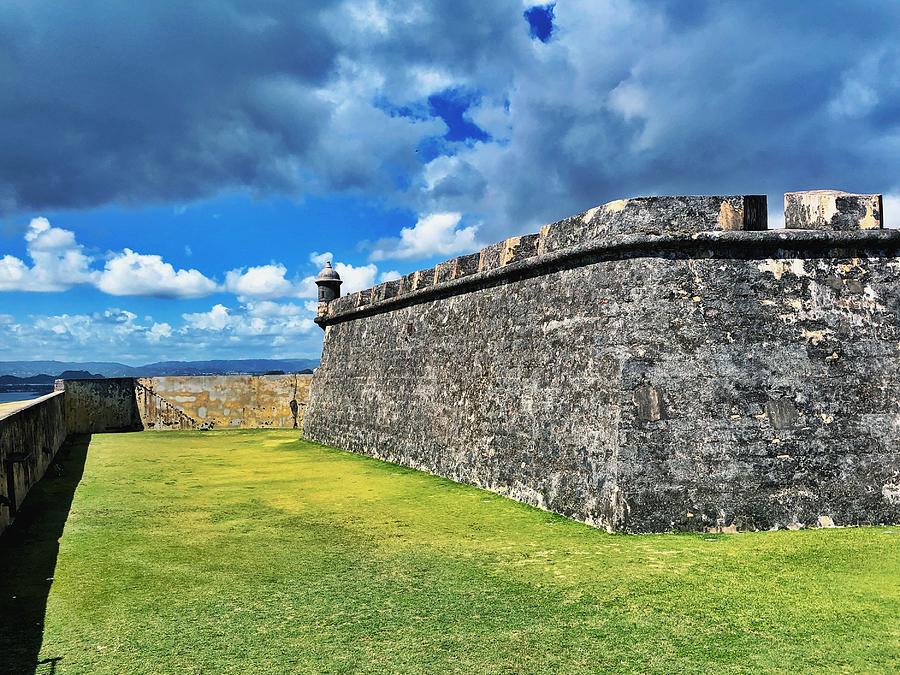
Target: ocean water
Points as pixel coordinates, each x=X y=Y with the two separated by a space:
x=9 y=396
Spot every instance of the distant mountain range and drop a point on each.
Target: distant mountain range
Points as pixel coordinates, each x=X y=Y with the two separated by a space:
x=52 y=370
x=7 y=380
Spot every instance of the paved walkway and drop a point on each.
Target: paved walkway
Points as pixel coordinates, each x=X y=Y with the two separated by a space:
x=7 y=409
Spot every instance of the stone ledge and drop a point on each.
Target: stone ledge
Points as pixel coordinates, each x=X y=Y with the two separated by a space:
x=13 y=407
x=638 y=215
x=744 y=243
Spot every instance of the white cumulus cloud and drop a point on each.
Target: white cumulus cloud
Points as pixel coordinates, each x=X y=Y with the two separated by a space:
x=58 y=261
x=434 y=234
x=132 y=273
x=356 y=278
x=159 y=331
x=264 y=281
x=267 y=309
x=319 y=259
x=217 y=318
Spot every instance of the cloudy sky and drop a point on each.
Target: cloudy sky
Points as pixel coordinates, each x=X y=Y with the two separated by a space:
x=172 y=174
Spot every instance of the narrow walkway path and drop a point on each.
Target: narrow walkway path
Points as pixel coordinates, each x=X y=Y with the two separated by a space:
x=7 y=409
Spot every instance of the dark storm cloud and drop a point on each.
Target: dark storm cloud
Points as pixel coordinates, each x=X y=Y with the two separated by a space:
x=131 y=101
x=634 y=98
x=171 y=102
x=160 y=101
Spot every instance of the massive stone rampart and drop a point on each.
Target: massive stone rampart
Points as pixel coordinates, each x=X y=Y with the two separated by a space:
x=29 y=439
x=650 y=364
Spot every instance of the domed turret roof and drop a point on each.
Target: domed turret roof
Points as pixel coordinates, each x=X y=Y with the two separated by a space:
x=328 y=273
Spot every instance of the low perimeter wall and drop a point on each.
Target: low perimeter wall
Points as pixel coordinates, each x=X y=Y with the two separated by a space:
x=232 y=401
x=186 y=402
x=104 y=405
x=29 y=440
x=649 y=364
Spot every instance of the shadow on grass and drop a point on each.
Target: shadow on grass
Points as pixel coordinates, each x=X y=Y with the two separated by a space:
x=28 y=551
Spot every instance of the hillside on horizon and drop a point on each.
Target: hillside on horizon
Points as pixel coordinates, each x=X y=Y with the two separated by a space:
x=114 y=369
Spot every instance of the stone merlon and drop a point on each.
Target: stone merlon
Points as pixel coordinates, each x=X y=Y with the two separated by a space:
x=832 y=210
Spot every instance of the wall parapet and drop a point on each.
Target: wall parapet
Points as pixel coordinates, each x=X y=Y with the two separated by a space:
x=642 y=226
x=101 y=405
x=30 y=437
x=703 y=244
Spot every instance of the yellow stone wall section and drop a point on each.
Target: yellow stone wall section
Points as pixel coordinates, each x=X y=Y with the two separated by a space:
x=236 y=401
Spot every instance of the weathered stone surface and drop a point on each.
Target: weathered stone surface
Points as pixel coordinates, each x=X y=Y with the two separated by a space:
x=465 y=265
x=659 y=216
x=29 y=439
x=426 y=278
x=409 y=282
x=662 y=216
x=444 y=271
x=230 y=401
x=738 y=380
x=341 y=304
x=98 y=406
x=391 y=289
x=519 y=248
x=157 y=412
x=832 y=210
x=491 y=257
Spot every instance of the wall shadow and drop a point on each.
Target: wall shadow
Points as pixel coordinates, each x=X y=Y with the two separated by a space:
x=28 y=551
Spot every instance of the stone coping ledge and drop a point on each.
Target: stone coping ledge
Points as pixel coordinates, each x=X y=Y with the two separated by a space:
x=15 y=407
x=459 y=275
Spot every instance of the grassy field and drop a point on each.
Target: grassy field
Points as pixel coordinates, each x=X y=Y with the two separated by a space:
x=253 y=552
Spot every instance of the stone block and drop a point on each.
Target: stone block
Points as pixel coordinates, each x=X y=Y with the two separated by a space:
x=391 y=289
x=409 y=282
x=832 y=210
x=519 y=248
x=425 y=278
x=465 y=265
x=657 y=216
x=341 y=304
x=443 y=271
x=491 y=257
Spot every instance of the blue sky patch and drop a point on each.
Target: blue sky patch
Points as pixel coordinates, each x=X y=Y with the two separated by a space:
x=540 y=21
x=451 y=105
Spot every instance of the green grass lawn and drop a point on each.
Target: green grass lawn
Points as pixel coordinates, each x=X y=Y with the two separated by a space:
x=253 y=552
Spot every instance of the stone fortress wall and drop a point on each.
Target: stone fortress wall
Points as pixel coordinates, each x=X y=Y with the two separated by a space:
x=647 y=365
x=31 y=432
x=186 y=402
x=227 y=401
x=101 y=405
